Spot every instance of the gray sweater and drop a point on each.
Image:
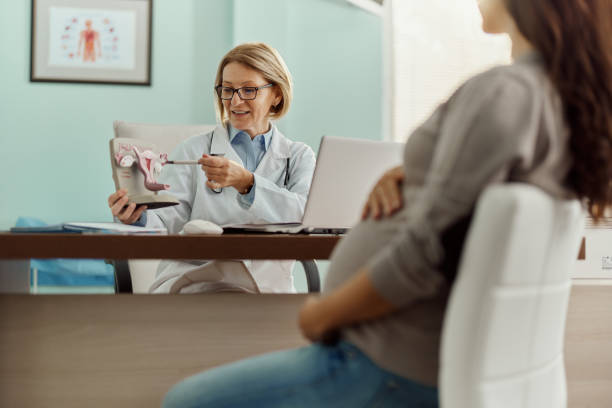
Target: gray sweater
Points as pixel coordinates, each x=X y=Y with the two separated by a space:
x=505 y=124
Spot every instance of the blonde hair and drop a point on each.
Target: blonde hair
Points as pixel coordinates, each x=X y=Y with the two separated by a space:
x=268 y=62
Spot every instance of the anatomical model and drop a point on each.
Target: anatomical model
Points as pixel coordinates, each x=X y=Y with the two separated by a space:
x=149 y=164
x=136 y=168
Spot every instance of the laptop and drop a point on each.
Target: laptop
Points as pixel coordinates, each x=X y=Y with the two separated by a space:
x=346 y=171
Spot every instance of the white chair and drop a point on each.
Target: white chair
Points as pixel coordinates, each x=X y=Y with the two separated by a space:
x=136 y=276
x=502 y=339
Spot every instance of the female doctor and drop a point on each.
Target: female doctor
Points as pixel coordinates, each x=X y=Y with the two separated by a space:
x=250 y=173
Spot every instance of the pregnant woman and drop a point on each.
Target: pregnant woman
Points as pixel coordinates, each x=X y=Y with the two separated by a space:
x=545 y=120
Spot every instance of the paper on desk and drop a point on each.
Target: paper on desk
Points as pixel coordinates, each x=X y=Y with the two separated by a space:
x=114 y=227
x=89 y=227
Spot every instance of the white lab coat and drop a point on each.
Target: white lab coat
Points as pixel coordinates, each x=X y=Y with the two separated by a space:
x=273 y=203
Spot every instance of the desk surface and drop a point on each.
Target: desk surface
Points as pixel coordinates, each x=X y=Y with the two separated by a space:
x=233 y=246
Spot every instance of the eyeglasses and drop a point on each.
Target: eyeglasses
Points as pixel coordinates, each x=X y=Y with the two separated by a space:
x=245 y=93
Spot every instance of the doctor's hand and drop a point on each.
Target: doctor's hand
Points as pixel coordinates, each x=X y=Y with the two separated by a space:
x=222 y=172
x=126 y=213
x=386 y=196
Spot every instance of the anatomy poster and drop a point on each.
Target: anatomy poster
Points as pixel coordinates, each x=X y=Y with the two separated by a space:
x=91 y=38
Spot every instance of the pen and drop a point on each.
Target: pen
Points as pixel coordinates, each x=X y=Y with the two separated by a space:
x=182 y=162
x=193 y=161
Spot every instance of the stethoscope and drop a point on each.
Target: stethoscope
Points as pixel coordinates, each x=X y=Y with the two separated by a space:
x=220 y=190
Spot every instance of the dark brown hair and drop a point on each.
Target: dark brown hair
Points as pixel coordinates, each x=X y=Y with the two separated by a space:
x=575 y=39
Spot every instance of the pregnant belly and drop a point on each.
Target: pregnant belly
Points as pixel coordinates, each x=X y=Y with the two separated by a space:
x=360 y=245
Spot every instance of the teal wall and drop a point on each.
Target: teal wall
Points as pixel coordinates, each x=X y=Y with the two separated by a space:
x=54 y=136
x=334 y=51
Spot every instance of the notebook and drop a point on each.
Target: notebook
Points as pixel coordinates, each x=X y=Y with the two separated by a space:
x=345 y=172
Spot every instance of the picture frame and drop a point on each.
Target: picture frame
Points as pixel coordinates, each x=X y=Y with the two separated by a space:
x=91 y=41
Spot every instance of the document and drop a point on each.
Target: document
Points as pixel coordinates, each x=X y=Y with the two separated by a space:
x=89 y=228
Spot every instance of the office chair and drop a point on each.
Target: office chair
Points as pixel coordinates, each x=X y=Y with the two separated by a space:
x=136 y=276
x=503 y=333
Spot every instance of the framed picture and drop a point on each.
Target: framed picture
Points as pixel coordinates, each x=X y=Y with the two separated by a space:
x=91 y=41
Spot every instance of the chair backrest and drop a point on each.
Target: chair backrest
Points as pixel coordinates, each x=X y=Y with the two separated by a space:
x=502 y=340
x=165 y=137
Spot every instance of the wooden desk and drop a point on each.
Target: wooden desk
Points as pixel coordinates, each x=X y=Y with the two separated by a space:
x=127 y=350
x=93 y=351
x=105 y=246
x=231 y=246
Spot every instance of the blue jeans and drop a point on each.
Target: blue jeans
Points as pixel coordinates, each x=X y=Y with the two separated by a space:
x=312 y=376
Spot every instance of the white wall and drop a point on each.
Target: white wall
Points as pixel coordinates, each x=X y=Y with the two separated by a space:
x=431 y=47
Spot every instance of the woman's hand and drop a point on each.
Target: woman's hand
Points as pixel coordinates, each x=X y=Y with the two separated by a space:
x=386 y=196
x=312 y=320
x=222 y=172
x=127 y=214
x=321 y=318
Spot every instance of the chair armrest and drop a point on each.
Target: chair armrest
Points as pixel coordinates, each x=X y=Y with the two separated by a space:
x=313 y=281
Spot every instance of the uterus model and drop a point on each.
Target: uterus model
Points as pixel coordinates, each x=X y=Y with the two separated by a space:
x=136 y=166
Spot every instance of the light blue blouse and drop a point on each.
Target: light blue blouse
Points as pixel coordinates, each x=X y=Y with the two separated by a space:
x=250 y=152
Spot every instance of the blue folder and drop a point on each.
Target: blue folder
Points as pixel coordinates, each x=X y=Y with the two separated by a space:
x=65 y=272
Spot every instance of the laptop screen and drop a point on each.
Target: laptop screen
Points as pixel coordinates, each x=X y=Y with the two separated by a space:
x=345 y=173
